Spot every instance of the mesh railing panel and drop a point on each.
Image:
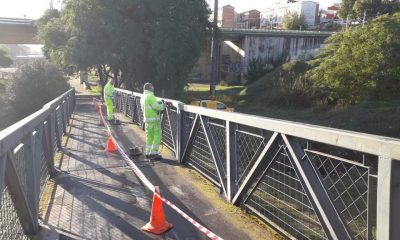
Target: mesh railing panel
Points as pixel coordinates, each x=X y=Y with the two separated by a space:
x=173 y=117
x=249 y=147
x=54 y=138
x=347 y=186
x=59 y=123
x=117 y=101
x=130 y=106
x=199 y=156
x=187 y=123
x=20 y=166
x=139 y=111
x=218 y=134
x=280 y=198
x=10 y=225
x=39 y=151
x=167 y=134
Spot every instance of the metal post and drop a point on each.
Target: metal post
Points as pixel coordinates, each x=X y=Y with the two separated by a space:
x=180 y=132
x=388 y=210
x=231 y=159
x=214 y=50
x=32 y=172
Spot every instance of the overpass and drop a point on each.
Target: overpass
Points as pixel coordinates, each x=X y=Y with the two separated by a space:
x=234 y=33
x=304 y=181
x=23 y=31
x=17 y=31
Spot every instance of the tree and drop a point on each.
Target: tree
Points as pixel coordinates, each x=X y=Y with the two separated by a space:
x=356 y=8
x=346 y=9
x=294 y=21
x=33 y=86
x=360 y=61
x=153 y=40
x=5 y=61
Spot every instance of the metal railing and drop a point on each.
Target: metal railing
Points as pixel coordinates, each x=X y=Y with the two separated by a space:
x=306 y=181
x=27 y=151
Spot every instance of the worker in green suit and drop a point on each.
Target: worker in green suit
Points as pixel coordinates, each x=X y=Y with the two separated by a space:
x=152 y=110
x=108 y=98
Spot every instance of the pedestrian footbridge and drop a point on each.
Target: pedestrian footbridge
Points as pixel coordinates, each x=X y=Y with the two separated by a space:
x=301 y=181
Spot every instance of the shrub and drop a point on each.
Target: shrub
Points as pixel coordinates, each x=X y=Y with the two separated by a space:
x=256 y=69
x=33 y=86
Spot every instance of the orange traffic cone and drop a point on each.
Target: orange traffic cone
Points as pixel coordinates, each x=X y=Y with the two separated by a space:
x=158 y=224
x=110 y=147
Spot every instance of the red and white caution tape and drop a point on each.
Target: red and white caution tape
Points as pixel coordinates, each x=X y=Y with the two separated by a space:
x=204 y=230
x=152 y=188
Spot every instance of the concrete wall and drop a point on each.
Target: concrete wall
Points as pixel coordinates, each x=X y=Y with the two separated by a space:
x=275 y=48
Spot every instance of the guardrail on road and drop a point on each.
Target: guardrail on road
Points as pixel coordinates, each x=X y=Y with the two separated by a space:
x=308 y=182
x=27 y=151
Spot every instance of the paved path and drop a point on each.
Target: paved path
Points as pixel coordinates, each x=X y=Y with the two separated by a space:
x=96 y=196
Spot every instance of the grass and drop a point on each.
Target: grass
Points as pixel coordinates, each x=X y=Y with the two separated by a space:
x=226 y=94
x=380 y=117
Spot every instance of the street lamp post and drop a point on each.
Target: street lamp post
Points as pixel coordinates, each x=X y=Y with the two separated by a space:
x=214 y=49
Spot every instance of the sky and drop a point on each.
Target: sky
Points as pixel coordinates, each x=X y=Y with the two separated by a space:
x=25 y=8
x=35 y=8
x=245 y=5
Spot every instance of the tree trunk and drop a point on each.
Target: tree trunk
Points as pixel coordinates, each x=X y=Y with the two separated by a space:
x=103 y=79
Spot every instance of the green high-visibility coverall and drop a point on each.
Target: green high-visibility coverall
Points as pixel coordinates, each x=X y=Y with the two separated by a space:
x=108 y=94
x=152 y=119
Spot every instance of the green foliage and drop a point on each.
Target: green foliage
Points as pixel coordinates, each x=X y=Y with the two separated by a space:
x=256 y=69
x=356 y=8
x=5 y=61
x=33 y=86
x=360 y=61
x=284 y=86
x=331 y=26
x=294 y=21
x=154 y=41
x=346 y=9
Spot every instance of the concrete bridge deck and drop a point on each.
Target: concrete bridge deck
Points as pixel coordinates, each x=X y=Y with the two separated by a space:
x=95 y=196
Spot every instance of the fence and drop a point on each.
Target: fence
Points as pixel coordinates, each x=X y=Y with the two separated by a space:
x=27 y=151
x=306 y=181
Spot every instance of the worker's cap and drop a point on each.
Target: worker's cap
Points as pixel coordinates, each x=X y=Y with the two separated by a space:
x=148 y=86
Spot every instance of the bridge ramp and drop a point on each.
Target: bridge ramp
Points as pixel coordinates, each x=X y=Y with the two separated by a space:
x=96 y=196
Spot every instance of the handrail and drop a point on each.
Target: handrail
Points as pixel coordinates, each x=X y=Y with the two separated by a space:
x=363 y=142
x=10 y=136
x=175 y=103
x=27 y=151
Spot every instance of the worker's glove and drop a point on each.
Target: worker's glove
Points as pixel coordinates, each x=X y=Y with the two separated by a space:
x=167 y=104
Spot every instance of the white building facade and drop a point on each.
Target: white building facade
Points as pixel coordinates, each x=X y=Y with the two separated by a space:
x=273 y=17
